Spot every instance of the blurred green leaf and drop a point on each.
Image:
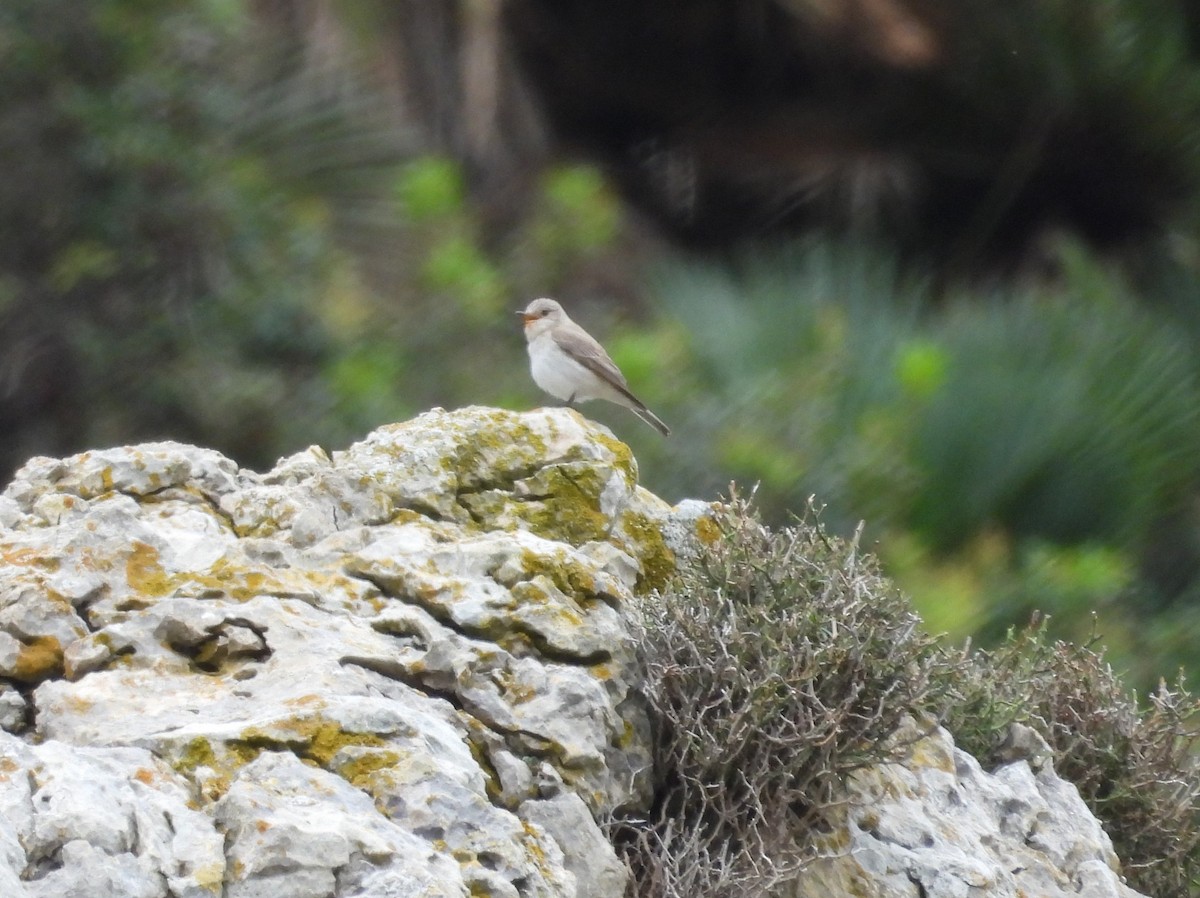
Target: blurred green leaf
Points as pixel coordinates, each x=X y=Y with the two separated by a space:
x=457 y=267
x=921 y=368
x=1074 y=579
x=641 y=355
x=581 y=202
x=751 y=456
x=431 y=187
x=365 y=371
x=579 y=213
x=81 y=261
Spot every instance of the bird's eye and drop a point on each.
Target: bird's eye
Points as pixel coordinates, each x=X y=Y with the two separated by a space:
x=544 y=313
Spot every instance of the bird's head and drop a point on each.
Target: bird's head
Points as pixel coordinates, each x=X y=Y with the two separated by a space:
x=540 y=315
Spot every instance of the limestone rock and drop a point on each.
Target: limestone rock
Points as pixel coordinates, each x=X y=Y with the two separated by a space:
x=565 y=818
x=85 y=821
x=935 y=824
x=353 y=675
x=401 y=670
x=303 y=832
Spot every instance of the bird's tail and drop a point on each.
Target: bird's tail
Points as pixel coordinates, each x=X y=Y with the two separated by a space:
x=650 y=418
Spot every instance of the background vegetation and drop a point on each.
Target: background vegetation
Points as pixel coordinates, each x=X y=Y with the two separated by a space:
x=933 y=263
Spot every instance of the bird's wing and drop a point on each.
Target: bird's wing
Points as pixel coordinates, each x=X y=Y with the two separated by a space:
x=592 y=356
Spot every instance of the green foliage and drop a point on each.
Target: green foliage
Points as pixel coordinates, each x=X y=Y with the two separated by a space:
x=1064 y=416
x=1022 y=449
x=168 y=221
x=365 y=381
x=458 y=268
x=454 y=268
x=431 y=187
x=580 y=212
x=922 y=367
x=992 y=581
x=832 y=347
x=206 y=237
x=209 y=237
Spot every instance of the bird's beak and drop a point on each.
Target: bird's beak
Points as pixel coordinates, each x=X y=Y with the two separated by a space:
x=527 y=318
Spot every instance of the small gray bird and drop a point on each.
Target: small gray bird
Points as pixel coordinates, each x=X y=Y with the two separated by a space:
x=568 y=364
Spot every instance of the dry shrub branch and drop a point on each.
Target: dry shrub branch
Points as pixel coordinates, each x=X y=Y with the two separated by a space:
x=779 y=661
x=1138 y=768
x=776 y=663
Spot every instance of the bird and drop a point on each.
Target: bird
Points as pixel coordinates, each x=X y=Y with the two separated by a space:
x=568 y=363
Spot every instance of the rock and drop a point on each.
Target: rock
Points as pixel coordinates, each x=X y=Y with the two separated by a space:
x=400 y=670
x=362 y=669
x=688 y=527
x=98 y=822
x=298 y=831
x=935 y=824
x=1023 y=743
x=586 y=853
x=12 y=709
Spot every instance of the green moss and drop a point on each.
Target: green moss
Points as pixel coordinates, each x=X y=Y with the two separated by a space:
x=649 y=547
x=627 y=736
x=477 y=746
x=496 y=448
x=930 y=754
x=623 y=459
x=570 y=512
x=408 y=516
x=329 y=738
x=869 y=820
x=199 y=754
x=568 y=576
x=534 y=850
x=235 y=581
x=514 y=691
x=196 y=753
x=707 y=531
x=246 y=750
x=311 y=739
x=316 y=741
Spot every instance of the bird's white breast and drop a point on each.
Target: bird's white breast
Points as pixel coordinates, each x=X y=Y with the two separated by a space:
x=558 y=374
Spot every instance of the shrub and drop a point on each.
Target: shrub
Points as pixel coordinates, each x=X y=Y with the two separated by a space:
x=777 y=662
x=1137 y=768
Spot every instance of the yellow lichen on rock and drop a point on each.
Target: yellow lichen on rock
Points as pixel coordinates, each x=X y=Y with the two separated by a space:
x=568 y=576
x=144 y=571
x=645 y=542
x=40 y=658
